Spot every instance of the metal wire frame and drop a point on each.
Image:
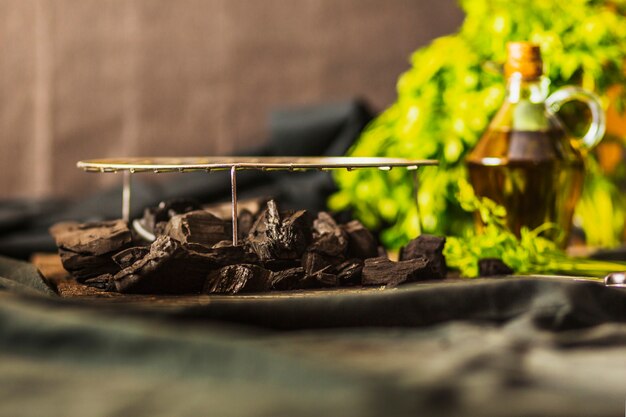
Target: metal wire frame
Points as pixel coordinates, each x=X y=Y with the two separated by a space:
x=209 y=164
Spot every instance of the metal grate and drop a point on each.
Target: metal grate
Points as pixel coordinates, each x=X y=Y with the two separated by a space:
x=209 y=164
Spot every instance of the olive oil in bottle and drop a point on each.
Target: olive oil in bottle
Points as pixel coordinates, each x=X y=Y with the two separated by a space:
x=526 y=161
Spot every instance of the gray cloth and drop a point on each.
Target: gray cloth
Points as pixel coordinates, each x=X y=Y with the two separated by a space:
x=500 y=347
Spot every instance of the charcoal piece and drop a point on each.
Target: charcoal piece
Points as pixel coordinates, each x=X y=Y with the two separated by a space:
x=295 y=233
x=326 y=279
x=332 y=245
x=329 y=238
x=155 y=218
x=280 y=264
x=318 y=280
x=234 y=279
x=423 y=245
x=268 y=222
x=102 y=282
x=218 y=245
x=287 y=279
x=172 y=268
x=261 y=235
x=432 y=248
x=224 y=253
x=245 y=220
x=314 y=262
x=324 y=224
x=361 y=242
x=95 y=238
x=382 y=271
x=319 y=270
x=198 y=227
x=86 y=249
x=489 y=267
x=161 y=271
x=349 y=272
x=129 y=256
x=230 y=255
x=308 y=282
x=272 y=238
x=160 y=228
x=82 y=266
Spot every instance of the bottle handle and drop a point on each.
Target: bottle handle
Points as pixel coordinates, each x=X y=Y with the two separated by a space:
x=597 y=126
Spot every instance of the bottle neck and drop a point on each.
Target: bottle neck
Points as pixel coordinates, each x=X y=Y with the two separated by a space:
x=519 y=89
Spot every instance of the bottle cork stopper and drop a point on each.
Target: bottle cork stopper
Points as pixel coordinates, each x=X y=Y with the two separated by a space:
x=523 y=58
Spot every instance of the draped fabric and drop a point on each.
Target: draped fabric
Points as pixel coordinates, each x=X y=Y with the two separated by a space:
x=320 y=130
x=496 y=347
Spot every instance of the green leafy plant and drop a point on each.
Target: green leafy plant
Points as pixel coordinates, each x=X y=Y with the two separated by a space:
x=530 y=254
x=447 y=98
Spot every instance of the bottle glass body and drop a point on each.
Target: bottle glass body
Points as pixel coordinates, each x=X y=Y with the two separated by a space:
x=525 y=162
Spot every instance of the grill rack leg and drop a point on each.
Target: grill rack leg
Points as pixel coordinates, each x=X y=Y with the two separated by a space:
x=126 y=191
x=233 y=190
x=126 y=195
x=416 y=189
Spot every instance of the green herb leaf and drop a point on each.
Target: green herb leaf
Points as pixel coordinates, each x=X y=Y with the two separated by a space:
x=530 y=254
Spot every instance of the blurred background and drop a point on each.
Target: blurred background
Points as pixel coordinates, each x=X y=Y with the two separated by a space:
x=85 y=78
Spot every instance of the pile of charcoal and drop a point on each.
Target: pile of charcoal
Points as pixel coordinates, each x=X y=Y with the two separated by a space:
x=277 y=251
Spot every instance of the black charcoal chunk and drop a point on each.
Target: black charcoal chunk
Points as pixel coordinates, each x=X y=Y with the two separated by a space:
x=326 y=280
x=318 y=280
x=423 y=245
x=224 y=253
x=86 y=248
x=95 y=238
x=155 y=218
x=198 y=227
x=169 y=268
x=314 y=263
x=102 y=282
x=489 y=267
x=173 y=268
x=82 y=267
x=295 y=232
x=280 y=264
x=287 y=279
x=382 y=271
x=430 y=247
x=361 y=242
x=280 y=237
x=328 y=237
x=239 y=278
x=129 y=256
x=245 y=220
x=261 y=234
x=349 y=272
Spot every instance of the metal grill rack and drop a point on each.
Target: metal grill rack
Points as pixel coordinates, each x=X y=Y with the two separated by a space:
x=130 y=166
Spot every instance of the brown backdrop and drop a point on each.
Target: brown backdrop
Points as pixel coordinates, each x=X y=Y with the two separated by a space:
x=95 y=78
